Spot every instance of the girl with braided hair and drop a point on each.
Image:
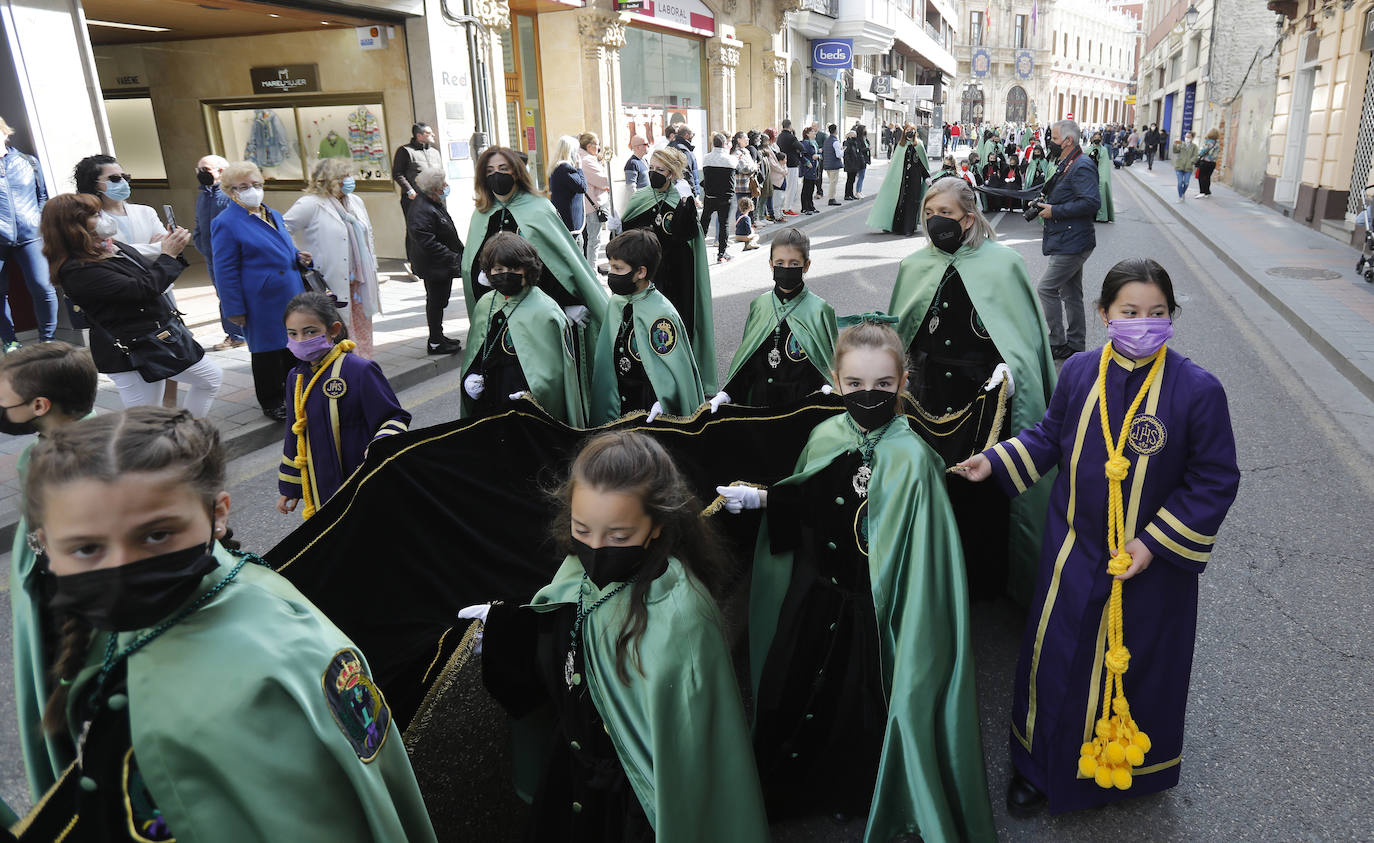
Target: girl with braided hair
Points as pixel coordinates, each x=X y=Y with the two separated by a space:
x=205 y=697
x=1142 y=439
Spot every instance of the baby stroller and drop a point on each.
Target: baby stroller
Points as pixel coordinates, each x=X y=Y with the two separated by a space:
x=1365 y=265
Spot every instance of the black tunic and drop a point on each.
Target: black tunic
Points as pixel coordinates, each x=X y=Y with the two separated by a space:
x=953 y=356
x=906 y=216
x=505 y=221
x=821 y=708
x=499 y=366
x=676 y=231
x=632 y=382
x=757 y=384
x=584 y=794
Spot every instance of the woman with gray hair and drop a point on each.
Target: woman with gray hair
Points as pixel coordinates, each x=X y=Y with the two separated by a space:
x=331 y=223
x=436 y=253
x=980 y=370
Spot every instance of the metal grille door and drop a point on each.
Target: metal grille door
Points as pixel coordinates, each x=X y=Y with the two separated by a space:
x=1364 y=148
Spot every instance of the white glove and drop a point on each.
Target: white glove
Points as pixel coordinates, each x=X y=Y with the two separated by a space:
x=577 y=314
x=482 y=279
x=1000 y=374
x=476 y=613
x=739 y=498
x=516 y=396
x=720 y=398
x=654 y=412
x=473 y=385
x=826 y=389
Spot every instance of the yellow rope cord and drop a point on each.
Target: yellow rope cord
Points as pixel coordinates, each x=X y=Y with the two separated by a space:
x=1119 y=744
x=302 y=460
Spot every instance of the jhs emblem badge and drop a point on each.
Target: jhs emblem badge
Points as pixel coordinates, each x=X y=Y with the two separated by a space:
x=1147 y=435
x=335 y=388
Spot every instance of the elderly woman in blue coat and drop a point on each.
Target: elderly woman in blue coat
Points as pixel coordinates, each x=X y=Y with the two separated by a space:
x=257 y=273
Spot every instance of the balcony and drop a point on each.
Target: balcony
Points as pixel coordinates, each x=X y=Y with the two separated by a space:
x=924 y=40
x=871 y=23
x=816 y=18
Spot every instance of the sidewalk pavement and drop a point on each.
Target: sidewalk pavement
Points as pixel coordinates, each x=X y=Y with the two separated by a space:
x=399 y=335
x=1306 y=276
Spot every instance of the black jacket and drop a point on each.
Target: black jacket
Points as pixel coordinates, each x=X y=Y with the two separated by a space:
x=693 y=172
x=436 y=251
x=124 y=296
x=1075 y=197
x=789 y=146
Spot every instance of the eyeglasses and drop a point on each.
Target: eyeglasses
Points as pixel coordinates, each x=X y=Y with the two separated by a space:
x=119 y=177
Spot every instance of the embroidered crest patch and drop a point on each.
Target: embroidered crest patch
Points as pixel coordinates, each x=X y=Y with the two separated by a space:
x=507 y=342
x=663 y=337
x=335 y=388
x=569 y=341
x=356 y=703
x=1147 y=435
x=795 y=352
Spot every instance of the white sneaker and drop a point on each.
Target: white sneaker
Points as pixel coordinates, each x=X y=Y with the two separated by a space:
x=1180 y=200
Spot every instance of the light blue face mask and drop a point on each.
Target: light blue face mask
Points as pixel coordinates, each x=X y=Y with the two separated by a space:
x=348 y=184
x=445 y=193
x=118 y=190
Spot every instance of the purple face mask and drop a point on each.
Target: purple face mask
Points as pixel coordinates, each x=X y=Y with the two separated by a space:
x=1140 y=338
x=312 y=349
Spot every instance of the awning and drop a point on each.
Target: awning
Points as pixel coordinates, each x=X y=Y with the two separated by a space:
x=863 y=80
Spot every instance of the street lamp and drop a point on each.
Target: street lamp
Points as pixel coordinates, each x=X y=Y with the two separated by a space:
x=1190 y=17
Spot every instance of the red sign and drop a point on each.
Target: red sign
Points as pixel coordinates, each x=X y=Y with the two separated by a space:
x=530 y=139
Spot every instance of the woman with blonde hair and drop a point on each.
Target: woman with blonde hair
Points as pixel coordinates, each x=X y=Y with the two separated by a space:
x=589 y=158
x=971 y=325
x=568 y=184
x=332 y=225
x=668 y=209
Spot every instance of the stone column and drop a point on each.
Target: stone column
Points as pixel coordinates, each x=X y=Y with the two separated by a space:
x=722 y=55
x=775 y=72
x=492 y=17
x=602 y=35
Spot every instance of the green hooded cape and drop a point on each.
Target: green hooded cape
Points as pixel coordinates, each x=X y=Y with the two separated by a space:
x=703 y=317
x=1044 y=165
x=885 y=203
x=234 y=732
x=540 y=224
x=1106 y=213
x=543 y=340
x=672 y=370
x=930 y=776
x=678 y=726
x=996 y=280
x=812 y=321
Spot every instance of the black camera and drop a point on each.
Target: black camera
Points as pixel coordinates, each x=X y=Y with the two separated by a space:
x=1032 y=211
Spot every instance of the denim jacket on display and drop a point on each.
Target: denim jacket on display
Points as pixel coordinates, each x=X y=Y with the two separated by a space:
x=22 y=195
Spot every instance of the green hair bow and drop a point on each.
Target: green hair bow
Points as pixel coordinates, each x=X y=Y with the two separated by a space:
x=877 y=317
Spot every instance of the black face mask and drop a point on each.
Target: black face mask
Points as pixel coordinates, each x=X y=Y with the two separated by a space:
x=1054 y=149
x=871 y=408
x=621 y=284
x=14 y=428
x=507 y=283
x=500 y=183
x=657 y=180
x=788 y=280
x=911 y=136
x=945 y=233
x=133 y=596
x=608 y=563
x=205 y=179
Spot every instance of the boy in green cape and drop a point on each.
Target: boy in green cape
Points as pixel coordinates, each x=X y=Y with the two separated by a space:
x=521 y=341
x=789 y=338
x=42 y=388
x=1038 y=169
x=685 y=276
x=1102 y=154
x=897 y=207
x=644 y=356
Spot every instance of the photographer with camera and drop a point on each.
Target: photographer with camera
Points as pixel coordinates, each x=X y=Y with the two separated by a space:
x=1068 y=205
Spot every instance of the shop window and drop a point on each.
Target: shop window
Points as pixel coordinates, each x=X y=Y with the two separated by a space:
x=287 y=136
x=137 y=144
x=667 y=86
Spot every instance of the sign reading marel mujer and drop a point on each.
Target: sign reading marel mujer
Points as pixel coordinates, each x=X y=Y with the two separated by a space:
x=285 y=79
x=832 y=53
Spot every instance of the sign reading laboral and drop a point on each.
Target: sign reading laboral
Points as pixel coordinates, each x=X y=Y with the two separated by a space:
x=285 y=79
x=833 y=53
x=683 y=15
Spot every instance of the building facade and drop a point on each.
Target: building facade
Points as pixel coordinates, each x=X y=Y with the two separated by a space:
x=1004 y=62
x=1093 y=62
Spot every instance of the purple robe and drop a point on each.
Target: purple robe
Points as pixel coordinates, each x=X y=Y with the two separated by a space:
x=1183 y=480
x=349 y=407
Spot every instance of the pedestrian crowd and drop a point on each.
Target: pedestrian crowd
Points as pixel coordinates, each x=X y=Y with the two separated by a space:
x=967 y=445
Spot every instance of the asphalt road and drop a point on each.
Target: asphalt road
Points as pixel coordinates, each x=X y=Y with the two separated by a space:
x=1279 y=714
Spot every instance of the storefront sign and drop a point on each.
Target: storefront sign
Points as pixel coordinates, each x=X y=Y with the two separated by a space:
x=833 y=52
x=285 y=79
x=1189 y=96
x=371 y=37
x=1367 y=40
x=882 y=86
x=1025 y=63
x=981 y=62
x=685 y=15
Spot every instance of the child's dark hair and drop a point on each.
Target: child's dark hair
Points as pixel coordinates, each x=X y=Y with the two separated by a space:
x=746 y=204
x=791 y=238
x=636 y=247
x=61 y=373
x=1144 y=270
x=508 y=249
x=632 y=463
x=136 y=441
x=319 y=305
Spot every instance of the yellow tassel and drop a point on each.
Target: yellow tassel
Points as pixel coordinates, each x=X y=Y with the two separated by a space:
x=1118 y=745
x=298 y=427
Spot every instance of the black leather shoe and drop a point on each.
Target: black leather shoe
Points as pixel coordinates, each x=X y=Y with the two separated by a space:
x=444 y=346
x=833 y=202
x=1061 y=352
x=277 y=413
x=1023 y=798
